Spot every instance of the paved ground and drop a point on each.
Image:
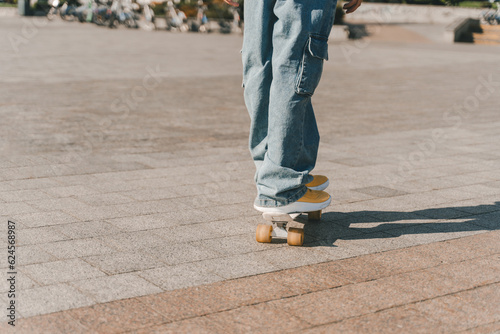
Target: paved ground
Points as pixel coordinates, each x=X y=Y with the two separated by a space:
x=124 y=165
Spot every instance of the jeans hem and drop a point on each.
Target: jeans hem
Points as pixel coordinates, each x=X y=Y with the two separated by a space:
x=271 y=203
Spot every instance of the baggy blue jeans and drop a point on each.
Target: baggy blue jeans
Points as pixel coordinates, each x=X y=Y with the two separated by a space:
x=284 y=46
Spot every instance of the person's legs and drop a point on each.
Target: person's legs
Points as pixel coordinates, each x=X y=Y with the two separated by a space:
x=257 y=71
x=284 y=48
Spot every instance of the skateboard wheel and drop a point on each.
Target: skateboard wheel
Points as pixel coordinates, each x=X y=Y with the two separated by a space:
x=315 y=215
x=263 y=233
x=295 y=237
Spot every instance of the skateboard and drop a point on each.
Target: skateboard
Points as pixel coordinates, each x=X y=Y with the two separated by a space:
x=282 y=227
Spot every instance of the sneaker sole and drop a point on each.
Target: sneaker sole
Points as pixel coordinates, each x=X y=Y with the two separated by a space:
x=321 y=186
x=295 y=207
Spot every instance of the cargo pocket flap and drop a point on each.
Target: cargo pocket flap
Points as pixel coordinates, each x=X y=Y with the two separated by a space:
x=318 y=47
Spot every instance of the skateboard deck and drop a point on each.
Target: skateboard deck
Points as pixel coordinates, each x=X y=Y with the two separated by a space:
x=281 y=226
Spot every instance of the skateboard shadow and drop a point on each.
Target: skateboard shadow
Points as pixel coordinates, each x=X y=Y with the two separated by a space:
x=389 y=224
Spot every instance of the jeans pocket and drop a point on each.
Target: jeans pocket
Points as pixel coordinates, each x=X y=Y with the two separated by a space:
x=311 y=66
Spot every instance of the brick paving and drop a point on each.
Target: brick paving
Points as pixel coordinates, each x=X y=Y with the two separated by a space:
x=447 y=286
x=125 y=167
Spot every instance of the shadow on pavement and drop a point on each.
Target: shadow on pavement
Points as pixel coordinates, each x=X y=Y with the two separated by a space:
x=348 y=226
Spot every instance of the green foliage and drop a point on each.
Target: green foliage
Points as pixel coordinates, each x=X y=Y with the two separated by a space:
x=9 y=3
x=475 y=4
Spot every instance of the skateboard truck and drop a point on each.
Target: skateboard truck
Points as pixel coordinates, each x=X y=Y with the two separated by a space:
x=280 y=228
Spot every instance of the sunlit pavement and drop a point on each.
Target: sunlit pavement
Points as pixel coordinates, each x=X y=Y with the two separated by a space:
x=126 y=171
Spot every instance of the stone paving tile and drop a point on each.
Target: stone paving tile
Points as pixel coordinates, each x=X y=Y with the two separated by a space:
x=6 y=187
x=484 y=329
x=181 y=304
x=73 y=180
x=144 y=222
x=181 y=253
x=425 y=284
x=464 y=310
x=214 y=199
x=31 y=254
x=197 y=301
x=339 y=249
x=339 y=303
x=68 y=249
x=449 y=229
x=396 y=320
x=98 y=212
x=133 y=241
x=190 y=150
x=426 y=173
x=372 y=290
x=115 y=287
x=233 y=226
x=232 y=245
x=187 y=233
x=56 y=323
x=96 y=199
x=380 y=191
x=250 y=319
x=60 y=204
x=60 y=271
x=17 y=208
x=152 y=194
x=68 y=191
x=455 y=181
x=413 y=186
x=487 y=170
x=180 y=276
x=476 y=272
x=209 y=188
x=343 y=228
x=405 y=203
x=49 y=218
x=458 y=193
x=37 y=183
x=478 y=205
x=292 y=257
x=23 y=282
x=460 y=249
x=40 y=235
x=104 y=186
x=424 y=233
x=237 y=266
x=113 y=316
x=122 y=262
x=347 y=195
x=195 y=325
x=229 y=211
x=51 y=298
x=150 y=207
x=382 y=241
x=87 y=229
x=441 y=213
x=494 y=184
x=488 y=220
x=380 y=221
x=22 y=195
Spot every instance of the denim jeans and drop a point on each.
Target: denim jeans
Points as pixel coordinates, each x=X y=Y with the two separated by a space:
x=284 y=47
